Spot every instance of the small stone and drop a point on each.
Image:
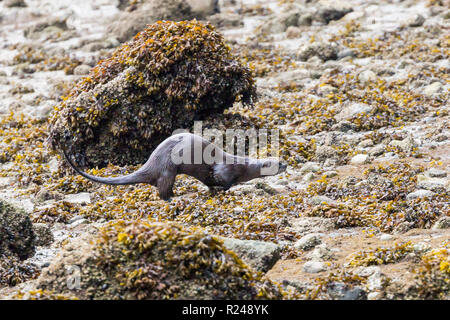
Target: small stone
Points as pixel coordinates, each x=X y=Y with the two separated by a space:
x=421 y=247
x=352 y=110
x=308 y=242
x=82 y=69
x=310 y=167
x=314 y=267
x=419 y=194
x=346 y=53
x=374 y=295
x=261 y=255
x=406 y=145
x=365 y=143
x=377 y=150
x=432 y=184
x=416 y=21
x=360 y=159
x=15 y=4
x=367 y=76
x=340 y=291
x=432 y=89
x=321 y=253
x=78 y=222
x=293 y=32
x=442 y=223
x=326 y=90
x=78 y=198
x=309 y=177
x=238 y=210
x=386 y=237
x=436 y=173
x=318 y=200
x=376 y=281
x=330 y=174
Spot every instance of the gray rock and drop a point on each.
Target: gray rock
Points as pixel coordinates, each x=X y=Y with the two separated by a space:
x=442 y=223
x=386 y=237
x=310 y=167
x=353 y=109
x=377 y=150
x=406 y=145
x=314 y=266
x=325 y=152
x=82 y=69
x=321 y=253
x=432 y=89
x=318 y=200
x=360 y=159
x=324 y=51
x=308 y=242
x=432 y=184
x=78 y=198
x=377 y=281
x=367 y=76
x=437 y=173
x=204 y=7
x=365 y=143
x=419 y=194
x=346 y=53
x=340 y=291
x=260 y=255
x=330 y=174
x=15 y=4
x=416 y=21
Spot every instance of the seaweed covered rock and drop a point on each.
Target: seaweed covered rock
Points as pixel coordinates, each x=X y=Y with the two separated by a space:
x=153 y=260
x=17 y=242
x=169 y=74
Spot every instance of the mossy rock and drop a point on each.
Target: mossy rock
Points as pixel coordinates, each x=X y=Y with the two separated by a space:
x=169 y=75
x=16 y=232
x=17 y=243
x=153 y=260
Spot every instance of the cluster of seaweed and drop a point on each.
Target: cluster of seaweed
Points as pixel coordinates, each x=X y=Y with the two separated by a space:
x=379 y=200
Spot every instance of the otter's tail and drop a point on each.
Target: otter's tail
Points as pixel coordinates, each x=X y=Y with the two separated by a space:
x=132 y=178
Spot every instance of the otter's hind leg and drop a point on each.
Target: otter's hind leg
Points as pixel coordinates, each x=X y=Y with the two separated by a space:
x=165 y=185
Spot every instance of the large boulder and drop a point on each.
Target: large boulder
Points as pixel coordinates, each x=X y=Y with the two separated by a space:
x=153 y=260
x=169 y=74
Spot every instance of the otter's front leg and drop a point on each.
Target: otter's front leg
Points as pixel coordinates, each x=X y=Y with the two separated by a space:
x=165 y=185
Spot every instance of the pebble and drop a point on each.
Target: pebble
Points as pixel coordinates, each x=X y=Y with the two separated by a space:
x=78 y=198
x=360 y=159
x=437 y=173
x=314 y=267
x=432 y=89
x=419 y=194
x=308 y=242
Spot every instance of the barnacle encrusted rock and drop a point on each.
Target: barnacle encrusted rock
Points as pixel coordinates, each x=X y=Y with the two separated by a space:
x=169 y=74
x=17 y=242
x=151 y=260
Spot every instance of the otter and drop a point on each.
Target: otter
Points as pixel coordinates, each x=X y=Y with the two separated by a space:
x=220 y=170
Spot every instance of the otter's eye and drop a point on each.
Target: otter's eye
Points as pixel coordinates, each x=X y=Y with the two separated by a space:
x=266 y=164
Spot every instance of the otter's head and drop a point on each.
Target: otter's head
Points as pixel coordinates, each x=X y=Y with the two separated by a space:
x=271 y=167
